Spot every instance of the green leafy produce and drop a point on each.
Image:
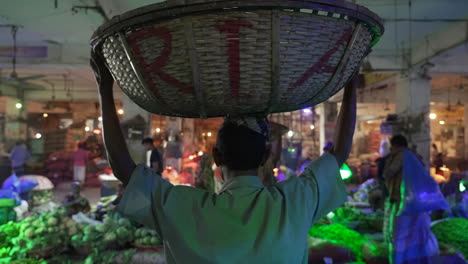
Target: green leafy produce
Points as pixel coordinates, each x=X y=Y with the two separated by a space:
x=48 y=230
x=8 y=231
x=109 y=257
x=40 y=197
x=339 y=234
x=113 y=230
x=146 y=237
x=453 y=232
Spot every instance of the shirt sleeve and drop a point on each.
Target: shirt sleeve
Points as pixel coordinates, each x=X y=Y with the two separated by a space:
x=145 y=191
x=327 y=189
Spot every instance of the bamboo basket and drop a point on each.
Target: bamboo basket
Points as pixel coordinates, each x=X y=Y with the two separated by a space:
x=212 y=58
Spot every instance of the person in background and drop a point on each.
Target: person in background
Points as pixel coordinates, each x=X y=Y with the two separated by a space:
x=80 y=158
x=155 y=161
x=19 y=156
x=158 y=142
x=409 y=236
x=246 y=222
x=74 y=202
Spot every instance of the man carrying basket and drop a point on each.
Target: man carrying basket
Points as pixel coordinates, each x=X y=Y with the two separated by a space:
x=246 y=222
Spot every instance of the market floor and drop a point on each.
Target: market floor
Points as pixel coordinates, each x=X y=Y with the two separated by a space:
x=92 y=193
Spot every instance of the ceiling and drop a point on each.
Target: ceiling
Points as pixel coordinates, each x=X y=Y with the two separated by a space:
x=65 y=31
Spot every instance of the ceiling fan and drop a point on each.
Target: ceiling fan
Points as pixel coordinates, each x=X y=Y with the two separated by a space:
x=14 y=85
x=52 y=104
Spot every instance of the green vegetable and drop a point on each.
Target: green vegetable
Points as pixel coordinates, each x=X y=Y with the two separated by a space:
x=340 y=235
x=453 y=232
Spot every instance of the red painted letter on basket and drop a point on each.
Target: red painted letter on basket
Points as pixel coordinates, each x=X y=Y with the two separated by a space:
x=232 y=28
x=155 y=67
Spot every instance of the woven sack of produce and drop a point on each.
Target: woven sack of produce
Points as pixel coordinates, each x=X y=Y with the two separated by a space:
x=210 y=58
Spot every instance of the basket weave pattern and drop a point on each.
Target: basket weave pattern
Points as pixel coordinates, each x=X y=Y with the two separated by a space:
x=262 y=61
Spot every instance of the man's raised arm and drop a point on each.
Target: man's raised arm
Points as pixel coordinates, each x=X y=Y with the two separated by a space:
x=117 y=152
x=346 y=122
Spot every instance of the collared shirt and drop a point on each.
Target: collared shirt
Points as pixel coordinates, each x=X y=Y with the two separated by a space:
x=19 y=156
x=245 y=223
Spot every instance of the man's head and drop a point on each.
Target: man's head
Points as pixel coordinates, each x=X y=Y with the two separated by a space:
x=82 y=145
x=148 y=143
x=242 y=144
x=398 y=143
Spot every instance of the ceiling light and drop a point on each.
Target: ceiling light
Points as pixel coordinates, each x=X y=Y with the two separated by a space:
x=100 y=118
x=120 y=111
x=442 y=122
x=19 y=105
x=45 y=115
x=87 y=129
x=312 y=127
x=209 y=134
x=290 y=133
x=432 y=116
x=38 y=135
x=158 y=130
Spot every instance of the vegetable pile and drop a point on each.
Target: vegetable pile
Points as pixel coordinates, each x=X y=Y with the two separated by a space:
x=340 y=235
x=146 y=237
x=115 y=230
x=8 y=231
x=50 y=230
x=453 y=232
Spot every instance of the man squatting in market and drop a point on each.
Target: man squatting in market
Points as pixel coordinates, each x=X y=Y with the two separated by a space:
x=246 y=222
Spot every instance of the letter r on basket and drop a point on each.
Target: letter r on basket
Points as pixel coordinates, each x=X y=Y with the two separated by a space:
x=156 y=67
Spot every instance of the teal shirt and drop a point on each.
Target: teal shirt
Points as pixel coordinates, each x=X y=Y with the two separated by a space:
x=245 y=223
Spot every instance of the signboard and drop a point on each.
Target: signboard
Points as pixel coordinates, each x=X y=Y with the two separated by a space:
x=24 y=51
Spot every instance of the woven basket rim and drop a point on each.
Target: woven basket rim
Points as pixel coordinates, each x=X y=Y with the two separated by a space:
x=178 y=8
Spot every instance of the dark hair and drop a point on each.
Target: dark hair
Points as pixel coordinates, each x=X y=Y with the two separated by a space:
x=240 y=148
x=399 y=140
x=147 y=141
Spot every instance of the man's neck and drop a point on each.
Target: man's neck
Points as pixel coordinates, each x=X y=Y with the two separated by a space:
x=231 y=174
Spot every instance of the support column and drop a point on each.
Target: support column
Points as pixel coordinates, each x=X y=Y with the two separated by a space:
x=413 y=98
x=328 y=115
x=131 y=110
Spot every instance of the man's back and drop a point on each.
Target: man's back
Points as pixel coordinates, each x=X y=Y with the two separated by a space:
x=246 y=223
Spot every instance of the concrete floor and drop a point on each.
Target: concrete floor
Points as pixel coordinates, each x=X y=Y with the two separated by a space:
x=92 y=193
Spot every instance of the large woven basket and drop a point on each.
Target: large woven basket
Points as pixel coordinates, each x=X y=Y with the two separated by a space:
x=209 y=58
